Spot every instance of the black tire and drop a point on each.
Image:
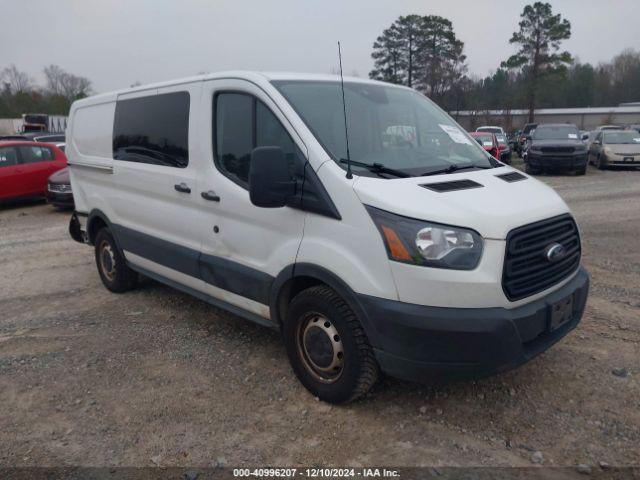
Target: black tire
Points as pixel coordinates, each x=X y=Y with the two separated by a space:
x=601 y=164
x=530 y=170
x=581 y=171
x=320 y=324
x=113 y=270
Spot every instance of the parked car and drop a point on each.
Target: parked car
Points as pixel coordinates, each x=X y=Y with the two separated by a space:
x=59 y=189
x=491 y=129
x=608 y=127
x=46 y=137
x=525 y=135
x=50 y=138
x=556 y=147
x=489 y=142
x=15 y=136
x=422 y=258
x=504 y=149
x=615 y=148
x=25 y=168
x=635 y=126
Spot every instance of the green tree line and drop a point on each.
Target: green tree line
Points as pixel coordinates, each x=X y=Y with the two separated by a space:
x=423 y=52
x=19 y=94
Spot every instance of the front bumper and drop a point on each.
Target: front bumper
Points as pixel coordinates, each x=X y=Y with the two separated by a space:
x=556 y=162
x=623 y=161
x=59 y=199
x=422 y=343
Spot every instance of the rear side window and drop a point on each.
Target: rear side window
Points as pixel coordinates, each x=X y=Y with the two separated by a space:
x=242 y=123
x=153 y=129
x=8 y=156
x=35 y=154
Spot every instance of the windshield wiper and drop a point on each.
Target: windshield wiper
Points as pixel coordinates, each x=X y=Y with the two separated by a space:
x=452 y=168
x=376 y=168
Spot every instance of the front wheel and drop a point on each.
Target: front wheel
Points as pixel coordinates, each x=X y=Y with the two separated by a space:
x=327 y=347
x=113 y=270
x=601 y=164
x=530 y=170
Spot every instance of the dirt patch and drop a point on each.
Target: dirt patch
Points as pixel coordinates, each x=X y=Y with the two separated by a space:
x=92 y=378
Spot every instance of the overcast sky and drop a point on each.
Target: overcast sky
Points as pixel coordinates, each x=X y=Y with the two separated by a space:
x=118 y=42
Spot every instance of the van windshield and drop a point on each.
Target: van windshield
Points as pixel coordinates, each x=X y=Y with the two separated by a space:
x=622 y=136
x=556 y=132
x=390 y=126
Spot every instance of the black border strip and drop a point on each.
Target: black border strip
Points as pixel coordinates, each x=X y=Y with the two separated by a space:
x=217 y=271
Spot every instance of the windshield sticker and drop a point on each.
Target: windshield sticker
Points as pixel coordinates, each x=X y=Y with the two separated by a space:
x=487 y=144
x=455 y=134
x=573 y=135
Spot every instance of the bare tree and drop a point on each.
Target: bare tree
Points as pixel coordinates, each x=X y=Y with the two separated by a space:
x=18 y=81
x=54 y=76
x=60 y=82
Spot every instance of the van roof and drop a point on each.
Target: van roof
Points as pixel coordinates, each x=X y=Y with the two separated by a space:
x=254 y=76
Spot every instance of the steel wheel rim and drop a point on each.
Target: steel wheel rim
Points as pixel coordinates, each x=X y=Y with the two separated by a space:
x=107 y=260
x=320 y=347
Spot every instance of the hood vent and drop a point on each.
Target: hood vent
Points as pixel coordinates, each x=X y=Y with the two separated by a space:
x=451 y=186
x=512 y=177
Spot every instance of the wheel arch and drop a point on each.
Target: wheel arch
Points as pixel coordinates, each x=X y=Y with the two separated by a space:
x=298 y=277
x=96 y=220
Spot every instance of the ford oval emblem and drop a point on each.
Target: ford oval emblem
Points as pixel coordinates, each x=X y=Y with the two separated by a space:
x=555 y=252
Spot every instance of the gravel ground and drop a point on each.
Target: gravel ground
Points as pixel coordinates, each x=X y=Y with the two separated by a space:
x=155 y=377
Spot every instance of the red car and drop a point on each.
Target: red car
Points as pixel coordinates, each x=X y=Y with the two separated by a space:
x=26 y=166
x=489 y=142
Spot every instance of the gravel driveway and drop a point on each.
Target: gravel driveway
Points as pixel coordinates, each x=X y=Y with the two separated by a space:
x=155 y=377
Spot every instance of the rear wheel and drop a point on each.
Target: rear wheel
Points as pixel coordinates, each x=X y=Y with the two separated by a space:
x=327 y=347
x=113 y=270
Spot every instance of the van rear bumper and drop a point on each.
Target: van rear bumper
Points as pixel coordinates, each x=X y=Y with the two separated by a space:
x=422 y=343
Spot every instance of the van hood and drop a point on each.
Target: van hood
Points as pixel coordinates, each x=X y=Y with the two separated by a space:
x=492 y=209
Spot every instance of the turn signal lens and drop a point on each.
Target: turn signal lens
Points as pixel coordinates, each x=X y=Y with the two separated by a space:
x=396 y=248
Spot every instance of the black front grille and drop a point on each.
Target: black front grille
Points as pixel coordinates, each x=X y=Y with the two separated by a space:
x=526 y=268
x=557 y=149
x=452 y=185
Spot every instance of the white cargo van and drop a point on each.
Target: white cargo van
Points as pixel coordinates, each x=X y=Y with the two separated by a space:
x=430 y=261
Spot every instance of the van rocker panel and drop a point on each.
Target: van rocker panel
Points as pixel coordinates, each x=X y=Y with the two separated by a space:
x=422 y=343
x=220 y=272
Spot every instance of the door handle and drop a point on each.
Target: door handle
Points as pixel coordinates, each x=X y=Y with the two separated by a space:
x=210 y=195
x=182 y=187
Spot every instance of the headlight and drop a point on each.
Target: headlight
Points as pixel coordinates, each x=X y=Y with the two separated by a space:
x=580 y=148
x=417 y=242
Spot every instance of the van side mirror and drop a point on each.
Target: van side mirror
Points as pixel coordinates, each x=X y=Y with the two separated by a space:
x=270 y=182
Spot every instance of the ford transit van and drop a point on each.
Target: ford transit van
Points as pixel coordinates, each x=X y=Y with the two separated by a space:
x=408 y=250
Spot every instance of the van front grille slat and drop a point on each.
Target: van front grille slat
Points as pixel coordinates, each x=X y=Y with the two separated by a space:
x=526 y=269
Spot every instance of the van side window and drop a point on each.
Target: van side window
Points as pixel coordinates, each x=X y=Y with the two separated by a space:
x=35 y=154
x=153 y=129
x=242 y=123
